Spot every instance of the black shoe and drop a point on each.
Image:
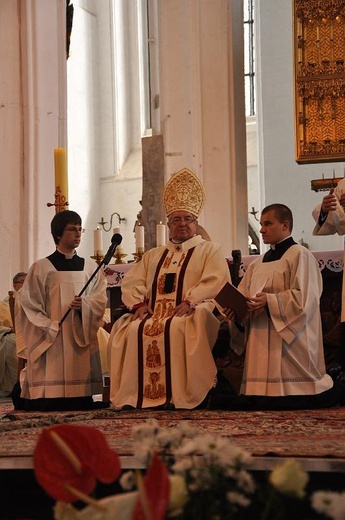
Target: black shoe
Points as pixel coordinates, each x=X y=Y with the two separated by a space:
x=223 y=386
x=334 y=370
x=340 y=387
x=168 y=406
x=205 y=404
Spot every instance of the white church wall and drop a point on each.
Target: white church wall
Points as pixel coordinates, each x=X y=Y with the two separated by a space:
x=283 y=179
x=254 y=193
x=32 y=124
x=122 y=195
x=202 y=108
x=84 y=159
x=103 y=80
x=194 y=89
x=10 y=148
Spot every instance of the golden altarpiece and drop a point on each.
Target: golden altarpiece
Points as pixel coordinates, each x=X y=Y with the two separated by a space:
x=319 y=36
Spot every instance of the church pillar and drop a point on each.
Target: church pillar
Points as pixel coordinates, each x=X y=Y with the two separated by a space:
x=201 y=107
x=153 y=186
x=33 y=123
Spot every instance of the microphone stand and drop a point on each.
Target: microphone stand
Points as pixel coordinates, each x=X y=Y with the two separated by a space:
x=105 y=261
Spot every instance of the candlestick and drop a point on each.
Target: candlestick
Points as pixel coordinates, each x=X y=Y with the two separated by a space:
x=160 y=234
x=138 y=255
x=97 y=258
x=61 y=179
x=119 y=255
x=98 y=242
x=139 y=237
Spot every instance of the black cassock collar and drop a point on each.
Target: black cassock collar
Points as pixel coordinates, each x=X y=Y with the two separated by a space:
x=279 y=250
x=62 y=263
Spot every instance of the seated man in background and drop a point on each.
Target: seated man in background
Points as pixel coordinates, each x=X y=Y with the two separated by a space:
x=57 y=330
x=282 y=336
x=161 y=353
x=17 y=283
x=8 y=354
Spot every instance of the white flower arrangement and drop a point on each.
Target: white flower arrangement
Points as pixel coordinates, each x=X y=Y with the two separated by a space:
x=192 y=476
x=329 y=503
x=215 y=471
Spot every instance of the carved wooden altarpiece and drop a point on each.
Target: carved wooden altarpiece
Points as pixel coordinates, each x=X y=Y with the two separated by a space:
x=319 y=45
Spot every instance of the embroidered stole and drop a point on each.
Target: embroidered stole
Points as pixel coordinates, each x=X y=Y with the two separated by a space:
x=154 y=356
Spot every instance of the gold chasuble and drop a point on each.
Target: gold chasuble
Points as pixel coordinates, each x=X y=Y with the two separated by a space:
x=165 y=359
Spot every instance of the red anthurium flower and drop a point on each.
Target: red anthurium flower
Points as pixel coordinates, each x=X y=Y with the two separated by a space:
x=156 y=486
x=74 y=455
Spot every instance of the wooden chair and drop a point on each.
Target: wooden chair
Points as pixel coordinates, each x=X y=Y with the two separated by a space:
x=225 y=359
x=11 y=301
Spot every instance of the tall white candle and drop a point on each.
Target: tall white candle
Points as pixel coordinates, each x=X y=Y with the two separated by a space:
x=160 y=234
x=139 y=237
x=98 y=242
x=119 y=249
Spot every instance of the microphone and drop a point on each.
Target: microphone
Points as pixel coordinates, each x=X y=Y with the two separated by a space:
x=116 y=240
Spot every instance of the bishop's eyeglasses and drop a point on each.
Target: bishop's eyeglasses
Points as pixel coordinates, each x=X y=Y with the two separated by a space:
x=186 y=220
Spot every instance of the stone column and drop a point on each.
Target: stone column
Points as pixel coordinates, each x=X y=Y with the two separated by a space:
x=201 y=108
x=153 y=185
x=33 y=123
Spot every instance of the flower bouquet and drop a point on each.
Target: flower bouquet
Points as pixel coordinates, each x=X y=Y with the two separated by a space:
x=189 y=476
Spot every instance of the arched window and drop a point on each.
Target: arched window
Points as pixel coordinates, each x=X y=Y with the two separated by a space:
x=249 y=61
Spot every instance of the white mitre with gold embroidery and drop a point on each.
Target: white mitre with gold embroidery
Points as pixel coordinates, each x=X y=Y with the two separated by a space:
x=184 y=192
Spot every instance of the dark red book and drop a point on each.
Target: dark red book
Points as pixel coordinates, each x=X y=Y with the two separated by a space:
x=230 y=297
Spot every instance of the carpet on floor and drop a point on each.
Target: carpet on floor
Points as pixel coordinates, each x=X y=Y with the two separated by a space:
x=303 y=433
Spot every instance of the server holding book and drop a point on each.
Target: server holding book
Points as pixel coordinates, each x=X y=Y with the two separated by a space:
x=281 y=332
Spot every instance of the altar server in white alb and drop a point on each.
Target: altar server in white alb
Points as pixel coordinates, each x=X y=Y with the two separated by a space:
x=161 y=352
x=282 y=336
x=63 y=368
x=329 y=216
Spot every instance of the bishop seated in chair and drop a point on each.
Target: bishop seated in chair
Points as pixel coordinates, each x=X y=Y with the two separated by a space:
x=161 y=350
